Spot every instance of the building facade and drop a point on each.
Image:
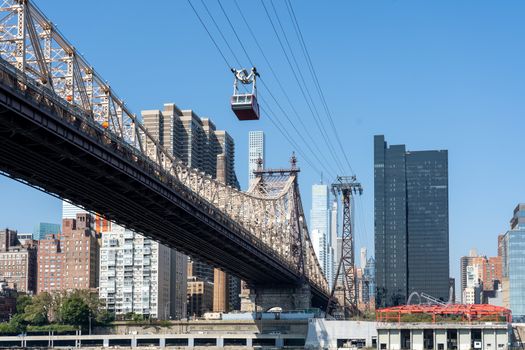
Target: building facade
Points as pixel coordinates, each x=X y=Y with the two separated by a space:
x=136 y=276
x=200 y=297
x=197 y=143
x=17 y=263
x=411 y=222
x=488 y=272
x=514 y=265
x=8 y=297
x=256 y=150
x=24 y=238
x=69 y=260
x=321 y=216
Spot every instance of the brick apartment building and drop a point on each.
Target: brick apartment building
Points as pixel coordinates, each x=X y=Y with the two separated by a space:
x=69 y=260
x=17 y=262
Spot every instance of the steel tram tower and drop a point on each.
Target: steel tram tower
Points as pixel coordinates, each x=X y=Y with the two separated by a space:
x=343 y=299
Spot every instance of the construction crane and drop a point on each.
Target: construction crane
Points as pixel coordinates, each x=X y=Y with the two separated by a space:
x=343 y=299
x=245 y=105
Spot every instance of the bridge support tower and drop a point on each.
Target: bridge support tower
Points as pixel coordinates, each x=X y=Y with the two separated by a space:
x=263 y=298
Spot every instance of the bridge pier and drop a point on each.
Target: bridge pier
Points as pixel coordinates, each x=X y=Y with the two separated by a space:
x=263 y=298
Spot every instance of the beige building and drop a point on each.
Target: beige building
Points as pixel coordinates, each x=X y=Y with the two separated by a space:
x=17 y=262
x=200 y=297
x=197 y=143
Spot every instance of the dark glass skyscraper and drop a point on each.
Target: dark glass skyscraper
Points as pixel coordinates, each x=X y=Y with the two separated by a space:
x=411 y=223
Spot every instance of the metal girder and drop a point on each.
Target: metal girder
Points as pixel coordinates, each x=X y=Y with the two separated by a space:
x=56 y=74
x=345 y=277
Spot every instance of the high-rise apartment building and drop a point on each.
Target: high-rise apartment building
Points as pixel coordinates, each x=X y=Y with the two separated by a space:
x=17 y=262
x=43 y=229
x=488 y=271
x=514 y=265
x=136 y=275
x=370 y=276
x=198 y=143
x=256 y=150
x=192 y=139
x=69 y=260
x=411 y=222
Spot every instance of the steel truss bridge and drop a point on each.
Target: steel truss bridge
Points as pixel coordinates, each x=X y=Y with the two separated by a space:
x=65 y=131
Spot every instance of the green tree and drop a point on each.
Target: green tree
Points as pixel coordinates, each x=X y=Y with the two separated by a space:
x=18 y=324
x=74 y=311
x=38 y=311
x=137 y=318
x=21 y=302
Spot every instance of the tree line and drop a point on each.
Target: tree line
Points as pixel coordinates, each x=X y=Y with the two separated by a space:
x=58 y=312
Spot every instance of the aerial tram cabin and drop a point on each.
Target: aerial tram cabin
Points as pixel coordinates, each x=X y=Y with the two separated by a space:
x=245 y=105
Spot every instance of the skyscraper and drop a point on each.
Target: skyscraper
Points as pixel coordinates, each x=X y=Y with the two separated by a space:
x=320 y=217
x=334 y=231
x=256 y=149
x=411 y=222
x=43 y=229
x=514 y=265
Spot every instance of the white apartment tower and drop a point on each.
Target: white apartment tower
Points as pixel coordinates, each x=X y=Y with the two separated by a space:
x=136 y=276
x=321 y=216
x=335 y=251
x=256 y=149
x=70 y=211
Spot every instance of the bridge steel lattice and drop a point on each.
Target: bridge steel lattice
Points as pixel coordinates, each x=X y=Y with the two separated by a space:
x=64 y=130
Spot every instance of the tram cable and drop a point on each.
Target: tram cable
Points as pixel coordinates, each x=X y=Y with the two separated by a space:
x=209 y=34
x=220 y=33
x=316 y=79
x=315 y=154
x=232 y=27
x=310 y=107
x=281 y=128
x=312 y=139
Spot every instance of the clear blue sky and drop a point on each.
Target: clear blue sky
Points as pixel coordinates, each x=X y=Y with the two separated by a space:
x=432 y=75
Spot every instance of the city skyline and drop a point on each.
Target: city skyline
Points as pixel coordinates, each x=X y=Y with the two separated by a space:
x=467 y=193
x=278 y=174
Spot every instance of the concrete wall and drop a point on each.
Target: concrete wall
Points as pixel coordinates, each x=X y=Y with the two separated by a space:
x=323 y=334
x=440 y=337
x=289 y=298
x=493 y=336
x=417 y=339
x=212 y=326
x=464 y=342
